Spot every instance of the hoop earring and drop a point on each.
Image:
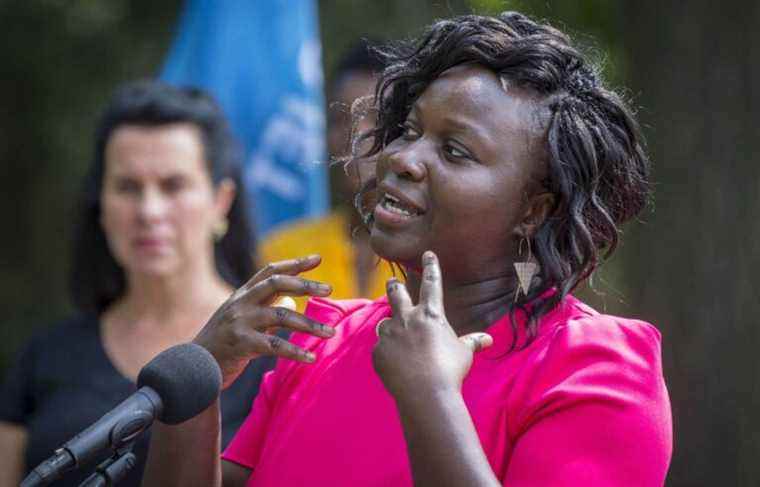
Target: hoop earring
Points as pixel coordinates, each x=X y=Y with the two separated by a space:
x=220 y=229
x=525 y=270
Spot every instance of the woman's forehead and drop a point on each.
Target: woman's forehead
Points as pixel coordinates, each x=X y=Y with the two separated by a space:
x=471 y=95
x=154 y=150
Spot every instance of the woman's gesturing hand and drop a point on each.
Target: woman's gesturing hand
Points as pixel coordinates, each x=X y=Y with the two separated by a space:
x=418 y=350
x=242 y=328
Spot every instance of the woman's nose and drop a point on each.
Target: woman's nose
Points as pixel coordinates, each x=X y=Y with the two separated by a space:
x=408 y=163
x=153 y=205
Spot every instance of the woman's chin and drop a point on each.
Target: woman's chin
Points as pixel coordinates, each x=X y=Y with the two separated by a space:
x=152 y=268
x=394 y=249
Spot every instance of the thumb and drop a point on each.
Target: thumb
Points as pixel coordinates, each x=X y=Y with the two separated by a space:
x=477 y=341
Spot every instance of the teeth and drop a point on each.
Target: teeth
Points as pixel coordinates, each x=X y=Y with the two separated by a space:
x=394 y=205
x=392 y=198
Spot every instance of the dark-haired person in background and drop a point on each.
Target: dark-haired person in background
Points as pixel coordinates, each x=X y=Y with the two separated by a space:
x=503 y=168
x=162 y=240
x=348 y=262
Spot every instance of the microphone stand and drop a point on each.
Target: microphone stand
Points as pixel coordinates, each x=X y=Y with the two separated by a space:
x=113 y=470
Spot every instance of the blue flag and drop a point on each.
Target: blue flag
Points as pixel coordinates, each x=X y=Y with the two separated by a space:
x=262 y=60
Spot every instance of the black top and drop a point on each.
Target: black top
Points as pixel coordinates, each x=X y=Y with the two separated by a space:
x=63 y=381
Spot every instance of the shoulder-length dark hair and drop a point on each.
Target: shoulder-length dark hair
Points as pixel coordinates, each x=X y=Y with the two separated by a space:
x=597 y=168
x=96 y=279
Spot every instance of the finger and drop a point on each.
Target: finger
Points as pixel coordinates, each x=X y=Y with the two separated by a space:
x=280 y=347
x=266 y=318
x=290 y=267
x=431 y=288
x=477 y=341
x=398 y=297
x=271 y=287
x=284 y=302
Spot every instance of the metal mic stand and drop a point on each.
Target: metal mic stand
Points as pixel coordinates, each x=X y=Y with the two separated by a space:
x=112 y=471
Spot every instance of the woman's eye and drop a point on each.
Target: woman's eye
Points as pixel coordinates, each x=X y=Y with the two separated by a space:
x=173 y=184
x=455 y=152
x=127 y=186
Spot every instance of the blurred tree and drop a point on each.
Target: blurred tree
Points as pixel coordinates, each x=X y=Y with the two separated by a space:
x=345 y=21
x=691 y=267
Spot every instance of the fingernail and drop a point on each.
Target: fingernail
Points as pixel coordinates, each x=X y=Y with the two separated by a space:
x=310 y=357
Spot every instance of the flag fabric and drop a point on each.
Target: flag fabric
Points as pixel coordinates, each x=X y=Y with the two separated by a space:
x=261 y=59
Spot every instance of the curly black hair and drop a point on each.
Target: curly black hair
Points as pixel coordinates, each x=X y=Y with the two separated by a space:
x=597 y=168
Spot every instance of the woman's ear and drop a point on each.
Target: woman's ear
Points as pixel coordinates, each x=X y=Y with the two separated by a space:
x=224 y=197
x=538 y=209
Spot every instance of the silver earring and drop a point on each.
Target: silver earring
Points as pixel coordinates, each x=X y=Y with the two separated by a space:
x=525 y=269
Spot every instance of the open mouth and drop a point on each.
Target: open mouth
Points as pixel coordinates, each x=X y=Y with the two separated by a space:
x=396 y=206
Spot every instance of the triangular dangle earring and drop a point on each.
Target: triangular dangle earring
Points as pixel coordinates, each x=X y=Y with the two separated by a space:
x=525 y=270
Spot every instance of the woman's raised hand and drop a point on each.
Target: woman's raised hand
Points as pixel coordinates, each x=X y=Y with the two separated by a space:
x=418 y=350
x=241 y=329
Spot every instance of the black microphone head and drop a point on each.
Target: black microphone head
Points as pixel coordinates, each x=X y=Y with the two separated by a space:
x=186 y=377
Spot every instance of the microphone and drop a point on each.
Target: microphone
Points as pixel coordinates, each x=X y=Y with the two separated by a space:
x=178 y=384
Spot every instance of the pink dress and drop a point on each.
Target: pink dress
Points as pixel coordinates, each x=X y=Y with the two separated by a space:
x=584 y=404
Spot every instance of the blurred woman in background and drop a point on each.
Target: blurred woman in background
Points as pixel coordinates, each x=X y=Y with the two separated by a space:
x=162 y=240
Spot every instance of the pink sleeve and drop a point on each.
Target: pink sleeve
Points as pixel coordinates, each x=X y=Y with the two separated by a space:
x=595 y=410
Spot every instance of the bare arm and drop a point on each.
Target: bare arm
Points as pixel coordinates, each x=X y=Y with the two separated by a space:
x=13 y=445
x=189 y=455
x=186 y=454
x=444 y=448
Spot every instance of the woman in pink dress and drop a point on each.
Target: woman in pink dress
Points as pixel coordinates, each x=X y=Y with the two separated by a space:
x=502 y=170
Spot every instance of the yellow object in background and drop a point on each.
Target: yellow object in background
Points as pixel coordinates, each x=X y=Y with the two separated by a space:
x=329 y=237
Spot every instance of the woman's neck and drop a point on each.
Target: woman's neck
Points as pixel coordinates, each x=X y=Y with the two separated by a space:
x=172 y=301
x=472 y=305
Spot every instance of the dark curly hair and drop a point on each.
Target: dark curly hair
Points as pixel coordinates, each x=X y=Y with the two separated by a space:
x=96 y=280
x=597 y=168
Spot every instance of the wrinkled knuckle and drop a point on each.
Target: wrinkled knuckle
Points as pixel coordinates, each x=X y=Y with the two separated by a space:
x=273 y=282
x=275 y=343
x=430 y=275
x=280 y=315
x=430 y=312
